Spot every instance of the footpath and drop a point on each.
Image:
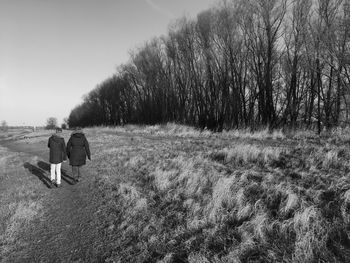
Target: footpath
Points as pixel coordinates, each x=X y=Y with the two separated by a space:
x=67 y=230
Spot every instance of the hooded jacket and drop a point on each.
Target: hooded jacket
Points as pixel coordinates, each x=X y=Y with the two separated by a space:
x=78 y=149
x=57 y=147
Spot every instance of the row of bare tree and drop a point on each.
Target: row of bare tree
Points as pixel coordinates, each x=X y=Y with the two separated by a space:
x=245 y=63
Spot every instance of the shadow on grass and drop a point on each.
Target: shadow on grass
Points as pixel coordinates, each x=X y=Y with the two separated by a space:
x=40 y=173
x=64 y=174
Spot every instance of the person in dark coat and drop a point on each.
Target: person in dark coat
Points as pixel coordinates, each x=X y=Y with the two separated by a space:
x=77 y=150
x=58 y=155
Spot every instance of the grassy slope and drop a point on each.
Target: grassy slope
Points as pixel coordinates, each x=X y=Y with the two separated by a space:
x=171 y=194
x=20 y=202
x=234 y=197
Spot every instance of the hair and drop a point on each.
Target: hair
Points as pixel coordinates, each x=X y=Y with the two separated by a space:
x=58 y=129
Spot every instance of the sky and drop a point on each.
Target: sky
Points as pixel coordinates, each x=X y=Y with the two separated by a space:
x=52 y=52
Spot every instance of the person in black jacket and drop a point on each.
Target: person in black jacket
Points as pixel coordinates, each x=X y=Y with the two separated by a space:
x=77 y=150
x=58 y=155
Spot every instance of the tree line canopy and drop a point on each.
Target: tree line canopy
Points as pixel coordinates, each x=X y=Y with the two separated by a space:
x=244 y=63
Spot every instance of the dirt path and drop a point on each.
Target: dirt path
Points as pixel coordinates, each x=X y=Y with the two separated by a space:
x=67 y=231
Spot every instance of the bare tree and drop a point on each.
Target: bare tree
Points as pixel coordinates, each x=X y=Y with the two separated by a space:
x=65 y=124
x=4 y=126
x=51 y=123
x=243 y=63
x=294 y=38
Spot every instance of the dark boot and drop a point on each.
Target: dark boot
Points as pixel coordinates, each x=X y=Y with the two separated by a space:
x=76 y=173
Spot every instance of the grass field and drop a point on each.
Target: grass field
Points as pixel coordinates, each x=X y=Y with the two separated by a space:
x=174 y=194
x=20 y=202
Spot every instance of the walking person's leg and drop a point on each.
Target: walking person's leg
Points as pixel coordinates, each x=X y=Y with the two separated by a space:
x=58 y=174
x=75 y=172
x=79 y=178
x=52 y=170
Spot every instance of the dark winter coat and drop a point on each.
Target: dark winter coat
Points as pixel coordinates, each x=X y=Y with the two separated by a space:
x=78 y=149
x=57 y=147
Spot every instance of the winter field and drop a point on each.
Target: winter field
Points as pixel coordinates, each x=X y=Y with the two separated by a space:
x=174 y=194
x=20 y=203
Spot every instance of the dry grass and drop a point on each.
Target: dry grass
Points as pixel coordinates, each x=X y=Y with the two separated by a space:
x=173 y=129
x=245 y=153
x=169 y=129
x=13 y=133
x=214 y=200
x=311 y=232
x=229 y=204
x=20 y=201
x=172 y=194
x=256 y=135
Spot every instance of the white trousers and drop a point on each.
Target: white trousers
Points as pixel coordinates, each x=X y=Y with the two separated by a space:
x=56 y=172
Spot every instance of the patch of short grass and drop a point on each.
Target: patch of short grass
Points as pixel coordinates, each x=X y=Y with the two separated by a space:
x=20 y=202
x=244 y=154
x=168 y=129
x=257 y=135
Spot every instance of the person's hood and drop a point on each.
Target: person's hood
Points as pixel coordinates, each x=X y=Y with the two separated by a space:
x=56 y=138
x=78 y=134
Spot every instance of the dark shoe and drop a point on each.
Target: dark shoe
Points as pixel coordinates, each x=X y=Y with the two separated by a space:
x=58 y=185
